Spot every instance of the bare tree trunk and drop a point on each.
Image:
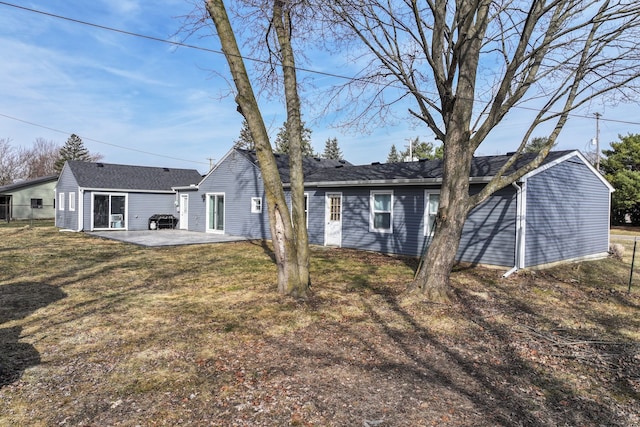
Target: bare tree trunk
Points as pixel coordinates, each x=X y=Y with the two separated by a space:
x=282 y=24
x=433 y=277
x=282 y=232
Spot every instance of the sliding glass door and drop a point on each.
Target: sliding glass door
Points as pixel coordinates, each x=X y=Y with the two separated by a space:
x=109 y=211
x=215 y=213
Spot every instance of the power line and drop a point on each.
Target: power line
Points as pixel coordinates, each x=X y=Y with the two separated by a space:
x=262 y=61
x=171 y=42
x=100 y=142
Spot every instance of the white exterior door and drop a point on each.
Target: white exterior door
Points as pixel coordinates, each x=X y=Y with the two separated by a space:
x=183 y=223
x=333 y=220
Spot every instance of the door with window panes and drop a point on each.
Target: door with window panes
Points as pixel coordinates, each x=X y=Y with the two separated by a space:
x=333 y=219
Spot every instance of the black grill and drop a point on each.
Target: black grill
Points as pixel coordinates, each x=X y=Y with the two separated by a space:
x=158 y=221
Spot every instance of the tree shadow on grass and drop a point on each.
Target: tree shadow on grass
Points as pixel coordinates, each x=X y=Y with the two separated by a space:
x=18 y=301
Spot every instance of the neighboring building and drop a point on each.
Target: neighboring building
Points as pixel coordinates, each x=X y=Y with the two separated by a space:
x=558 y=212
x=103 y=196
x=30 y=199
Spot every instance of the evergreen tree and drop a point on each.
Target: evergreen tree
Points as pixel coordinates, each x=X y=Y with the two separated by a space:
x=73 y=149
x=622 y=169
x=331 y=149
x=245 y=140
x=394 y=156
x=536 y=144
x=282 y=141
x=421 y=150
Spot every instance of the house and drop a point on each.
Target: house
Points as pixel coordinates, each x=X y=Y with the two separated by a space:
x=230 y=199
x=29 y=199
x=558 y=212
x=103 y=196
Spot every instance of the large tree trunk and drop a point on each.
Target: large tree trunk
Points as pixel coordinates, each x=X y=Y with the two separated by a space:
x=433 y=276
x=280 y=224
x=282 y=24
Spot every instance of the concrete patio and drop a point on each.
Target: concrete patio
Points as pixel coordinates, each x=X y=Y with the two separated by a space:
x=165 y=237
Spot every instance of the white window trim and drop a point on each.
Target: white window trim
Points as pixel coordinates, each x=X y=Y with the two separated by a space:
x=61 y=201
x=126 y=209
x=256 y=205
x=307 y=197
x=207 y=213
x=427 y=193
x=372 y=212
x=72 y=201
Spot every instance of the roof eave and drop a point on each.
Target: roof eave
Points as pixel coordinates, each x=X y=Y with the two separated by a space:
x=125 y=190
x=389 y=182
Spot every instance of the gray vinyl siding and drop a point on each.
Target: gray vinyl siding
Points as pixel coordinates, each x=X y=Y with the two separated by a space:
x=239 y=180
x=488 y=236
x=407 y=235
x=67 y=184
x=140 y=207
x=567 y=214
x=315 y=216
x=86 y=212
x=144 y=205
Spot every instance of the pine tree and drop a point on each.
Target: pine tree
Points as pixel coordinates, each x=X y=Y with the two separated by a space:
x=421 y=150
x=622 y=169
x=331 y=149
x=536 y=144
x=73 y=149
x=393 y=156
x=282 y=141
x=245 y=140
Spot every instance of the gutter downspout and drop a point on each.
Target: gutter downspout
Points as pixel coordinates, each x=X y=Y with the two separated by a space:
x=519 y=250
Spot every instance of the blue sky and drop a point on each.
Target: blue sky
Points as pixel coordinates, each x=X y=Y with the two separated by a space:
x=138 y=101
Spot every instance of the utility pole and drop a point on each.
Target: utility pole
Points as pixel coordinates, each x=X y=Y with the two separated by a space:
x=598 y=115
x=211 y=159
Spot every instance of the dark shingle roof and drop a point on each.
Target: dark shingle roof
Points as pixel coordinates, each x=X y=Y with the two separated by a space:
x=27 y=183
x=127 y=177
x=309 y=164
x=481 y=167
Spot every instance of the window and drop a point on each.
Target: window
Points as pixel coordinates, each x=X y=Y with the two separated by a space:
x=72 y=201
x=256 y=205
x=36 y=203
x=381 y=211
x=61 y=201
x=431 y=204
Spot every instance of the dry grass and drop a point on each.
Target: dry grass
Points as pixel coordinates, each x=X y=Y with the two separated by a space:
x=103 y=333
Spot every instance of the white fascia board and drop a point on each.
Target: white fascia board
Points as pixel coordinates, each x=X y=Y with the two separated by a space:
x=566 y=157
x=119 y=190
x=186 y=188
x=387 y=182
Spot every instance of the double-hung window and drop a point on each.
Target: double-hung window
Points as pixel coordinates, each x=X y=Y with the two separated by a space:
x=60 y=201
x=72 y=201
x=431 y=204
x=381 y=215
